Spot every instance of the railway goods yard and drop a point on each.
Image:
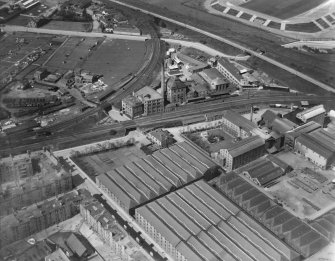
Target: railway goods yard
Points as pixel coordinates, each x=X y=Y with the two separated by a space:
x=177 y=130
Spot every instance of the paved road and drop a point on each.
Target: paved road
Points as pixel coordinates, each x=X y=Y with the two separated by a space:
x=126 y=219
x=14 y=28
x=239 y=46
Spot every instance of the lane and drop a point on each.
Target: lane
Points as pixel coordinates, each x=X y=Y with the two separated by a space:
x=239 y=46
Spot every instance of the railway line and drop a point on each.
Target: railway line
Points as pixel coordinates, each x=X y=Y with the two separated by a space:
x=58 y=139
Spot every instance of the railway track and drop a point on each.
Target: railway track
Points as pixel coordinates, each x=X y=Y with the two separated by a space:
x=19 y=146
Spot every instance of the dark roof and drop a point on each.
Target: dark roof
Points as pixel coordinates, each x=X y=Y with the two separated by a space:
x=243 y=146
x=326 y=150
x=239 y=120
x=74 y=243
x=174 y=83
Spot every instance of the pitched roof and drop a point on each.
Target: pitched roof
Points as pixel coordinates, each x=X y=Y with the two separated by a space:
x=239 y=120
x=245 y=145
x=76 y=245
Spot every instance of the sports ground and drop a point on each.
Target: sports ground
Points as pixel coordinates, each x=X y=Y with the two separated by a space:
x=114 y=59
x=282 y=9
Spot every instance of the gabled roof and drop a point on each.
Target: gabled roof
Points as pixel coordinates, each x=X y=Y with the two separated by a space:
x=231 y=68
x=245 y=145
x=76 y=245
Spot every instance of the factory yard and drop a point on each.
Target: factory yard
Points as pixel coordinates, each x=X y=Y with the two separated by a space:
x=303 y=192
x=283 y=9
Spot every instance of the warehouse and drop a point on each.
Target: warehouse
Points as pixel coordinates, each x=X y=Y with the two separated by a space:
x=291 y=136
x=316 y=114
x=145 y=179
x=296 y=233
x=317 y=148
x=198 y=223
x=242 y=152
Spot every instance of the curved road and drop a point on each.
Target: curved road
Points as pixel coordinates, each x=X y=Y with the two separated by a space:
x=239 y=46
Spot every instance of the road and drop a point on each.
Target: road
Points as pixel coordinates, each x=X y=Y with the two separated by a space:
x=122 y=216
x=239 y=46
x=15 y=28
x=14 y=145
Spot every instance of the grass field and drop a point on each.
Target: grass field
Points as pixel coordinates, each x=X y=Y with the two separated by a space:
x=116 y=59
x=282 y=9
x=320 y=67
x=69 y=26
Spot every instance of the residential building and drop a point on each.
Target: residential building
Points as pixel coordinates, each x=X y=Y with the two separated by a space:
x=104 y=223
x=162 y=138
x=132 y=106
x=20 y=186
x=230 y=72
x=37 y=217
x=316 y=114
x=318 y=147
x=216 y=81
x=152 y=101
x=242 y=152
x=176 y=90
x=199 y=223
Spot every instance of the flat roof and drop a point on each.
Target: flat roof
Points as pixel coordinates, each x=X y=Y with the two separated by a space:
x=231 y=68
x=147 y=93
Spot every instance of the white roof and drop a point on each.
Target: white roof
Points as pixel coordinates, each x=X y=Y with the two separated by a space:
x=310 y=113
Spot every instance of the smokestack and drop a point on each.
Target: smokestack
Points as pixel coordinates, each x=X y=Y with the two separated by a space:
x=251 y=112
x=163 y=80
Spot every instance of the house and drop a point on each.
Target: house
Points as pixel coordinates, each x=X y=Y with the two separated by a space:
x=162 y=138
x=176 y=90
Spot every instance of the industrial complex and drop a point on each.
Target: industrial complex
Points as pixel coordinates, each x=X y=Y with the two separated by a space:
x=136 y=130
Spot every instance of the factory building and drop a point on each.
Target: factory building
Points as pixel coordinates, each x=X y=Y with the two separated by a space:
x=152 y=101
x=291 y=136
x=237 y=125
x=176 y=90
x=145 y=179
x=295 y=233
x=132 y=106
x=230 y=72
x=318 y=147
x=198 y=223
x=216 y=81
x=265 y=171
x=242 y=152
x=316 y=114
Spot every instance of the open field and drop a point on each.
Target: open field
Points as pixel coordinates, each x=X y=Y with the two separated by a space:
x=115 y=59
x=283 y=9
x=320 y=67
x=69 y=26
x=72 y=53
